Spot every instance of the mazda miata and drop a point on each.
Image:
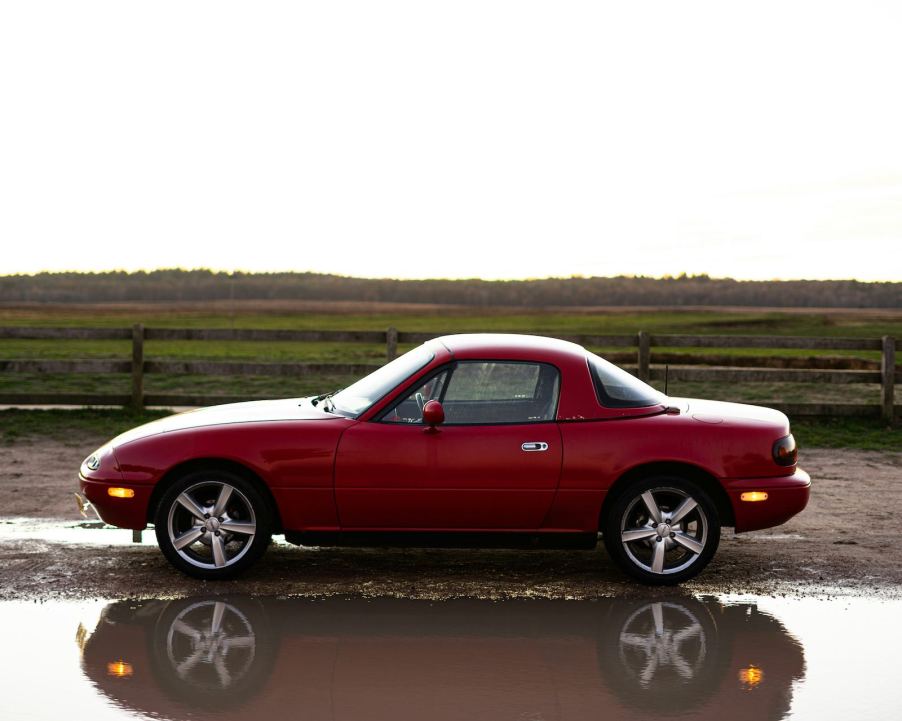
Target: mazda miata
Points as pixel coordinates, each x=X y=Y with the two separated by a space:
x=501 y=440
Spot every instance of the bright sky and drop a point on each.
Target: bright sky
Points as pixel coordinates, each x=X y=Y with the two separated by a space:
x=416 y=139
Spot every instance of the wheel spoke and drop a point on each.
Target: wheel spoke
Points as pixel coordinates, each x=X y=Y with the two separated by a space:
x=189 y=663
x=186 y=630
x=239 y=642
x=648 y=673
x=222 y=672
x=218 y=552
x=218 y=613
x=657 y=612
x=652 y=506
x=243 y=527
x=633 y=534
x=688 y=632
x=685 y=507
x=187 y=538
x=224 y=494
x=191 y=506
x=682 y=668
x=634 y=639
x=687 y=541
x=657 y=561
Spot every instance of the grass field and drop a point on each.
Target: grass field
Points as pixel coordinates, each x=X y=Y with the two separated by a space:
x=343 y=316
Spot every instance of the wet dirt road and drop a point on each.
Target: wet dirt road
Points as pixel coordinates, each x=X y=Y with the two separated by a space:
x=838 y=545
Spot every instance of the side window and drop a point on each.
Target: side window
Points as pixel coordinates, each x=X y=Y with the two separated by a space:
x=410 y=410
x=501 y=392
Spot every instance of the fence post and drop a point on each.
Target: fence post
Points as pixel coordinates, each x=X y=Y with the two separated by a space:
x=391 y=343
x=644 y=356
x=137 y=367
x=888 y=378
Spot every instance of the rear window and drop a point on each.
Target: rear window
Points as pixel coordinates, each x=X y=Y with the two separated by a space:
x=618 y=389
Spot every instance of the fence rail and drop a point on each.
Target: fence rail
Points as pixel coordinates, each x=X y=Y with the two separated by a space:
x=689 y=368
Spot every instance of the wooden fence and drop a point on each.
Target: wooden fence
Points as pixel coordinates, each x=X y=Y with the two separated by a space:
x=642 y=344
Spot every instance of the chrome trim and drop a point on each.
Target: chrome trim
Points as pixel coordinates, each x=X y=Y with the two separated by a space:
x=532 y=446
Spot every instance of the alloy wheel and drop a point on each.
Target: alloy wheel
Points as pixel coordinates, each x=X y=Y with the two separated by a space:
x=211 y=524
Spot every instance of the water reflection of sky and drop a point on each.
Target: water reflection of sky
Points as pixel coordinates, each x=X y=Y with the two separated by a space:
x=678 y=657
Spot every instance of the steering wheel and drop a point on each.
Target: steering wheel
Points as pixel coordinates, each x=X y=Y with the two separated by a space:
x=421 y=401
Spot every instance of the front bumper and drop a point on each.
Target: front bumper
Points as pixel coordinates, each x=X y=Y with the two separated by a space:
x=122 y=512
x=786 y=496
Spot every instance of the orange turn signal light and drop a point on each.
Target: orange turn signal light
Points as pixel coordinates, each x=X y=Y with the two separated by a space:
x=750 y=677
x=121 y=492
x=119 y=669
x=752 y=496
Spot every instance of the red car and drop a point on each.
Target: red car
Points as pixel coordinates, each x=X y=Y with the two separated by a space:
x=620 y=659
x=469 y=439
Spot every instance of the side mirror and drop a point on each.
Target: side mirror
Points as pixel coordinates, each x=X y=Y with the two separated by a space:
x=433 y=414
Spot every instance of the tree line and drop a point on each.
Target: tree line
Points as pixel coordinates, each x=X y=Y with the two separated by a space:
x=205 y=285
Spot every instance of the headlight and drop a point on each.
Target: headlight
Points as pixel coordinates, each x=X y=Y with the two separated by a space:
x=92 y=462
x=785 y=452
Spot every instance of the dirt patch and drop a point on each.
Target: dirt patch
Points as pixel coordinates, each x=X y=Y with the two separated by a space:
x=838 y=545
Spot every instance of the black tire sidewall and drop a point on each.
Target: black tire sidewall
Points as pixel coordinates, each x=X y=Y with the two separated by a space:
x=611 y=529
x=262 y=512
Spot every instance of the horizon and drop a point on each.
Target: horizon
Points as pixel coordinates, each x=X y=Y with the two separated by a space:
x=241 y=272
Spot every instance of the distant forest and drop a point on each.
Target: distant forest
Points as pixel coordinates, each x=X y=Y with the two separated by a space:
x=205 y=285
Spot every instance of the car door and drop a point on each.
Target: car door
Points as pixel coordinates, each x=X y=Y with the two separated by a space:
x=493 y=465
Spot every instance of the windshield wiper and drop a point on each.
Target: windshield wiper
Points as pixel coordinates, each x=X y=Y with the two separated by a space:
x=324 y=397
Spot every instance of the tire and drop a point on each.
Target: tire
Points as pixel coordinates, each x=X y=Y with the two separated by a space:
x=664 y=656
x=209 y=545
x=687 y=547
x=213 y=653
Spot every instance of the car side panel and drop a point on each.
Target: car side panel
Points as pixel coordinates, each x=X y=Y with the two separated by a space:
x=395 y=477
x=293 y=458
x=597 y=453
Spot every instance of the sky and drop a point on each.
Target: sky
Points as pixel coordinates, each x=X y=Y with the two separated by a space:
x=469 y=139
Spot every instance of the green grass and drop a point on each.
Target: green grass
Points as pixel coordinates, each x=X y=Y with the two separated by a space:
x=17 y=424
x=436 y=320
x=481 y=320
x=864 y=433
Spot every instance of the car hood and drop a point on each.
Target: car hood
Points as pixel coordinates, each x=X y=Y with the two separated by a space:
x=723 y=412
x=290 y=409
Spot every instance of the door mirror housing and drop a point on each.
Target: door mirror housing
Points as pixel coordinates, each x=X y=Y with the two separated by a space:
x=433 y=414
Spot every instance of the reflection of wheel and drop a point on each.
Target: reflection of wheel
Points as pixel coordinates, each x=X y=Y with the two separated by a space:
x=662 y=530
x=662 y=656
x=212 y=524
x=212 y=653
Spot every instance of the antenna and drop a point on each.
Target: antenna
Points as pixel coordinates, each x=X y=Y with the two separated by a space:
x=666 y=370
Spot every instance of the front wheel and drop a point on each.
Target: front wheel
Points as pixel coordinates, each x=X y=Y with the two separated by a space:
x=212 y=524
x=662 y=530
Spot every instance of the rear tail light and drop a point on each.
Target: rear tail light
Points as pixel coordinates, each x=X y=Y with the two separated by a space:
x=785 y=451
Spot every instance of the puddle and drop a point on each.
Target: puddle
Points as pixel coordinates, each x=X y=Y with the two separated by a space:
x=86 y=533
x=263 y=658
x=92 y=533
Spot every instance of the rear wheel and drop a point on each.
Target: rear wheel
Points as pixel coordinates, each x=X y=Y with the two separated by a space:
x=662 y=530
x=212 y=524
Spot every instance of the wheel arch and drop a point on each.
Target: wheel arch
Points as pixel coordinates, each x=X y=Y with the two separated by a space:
x=212 y=463
x=689 y=471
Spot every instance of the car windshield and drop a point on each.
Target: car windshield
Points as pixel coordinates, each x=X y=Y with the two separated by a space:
x=356 y=398
x=618 y=389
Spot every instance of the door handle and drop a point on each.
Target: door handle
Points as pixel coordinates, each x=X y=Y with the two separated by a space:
x=534 y=446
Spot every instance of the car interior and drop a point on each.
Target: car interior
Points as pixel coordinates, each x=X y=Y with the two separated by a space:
x=485 y=392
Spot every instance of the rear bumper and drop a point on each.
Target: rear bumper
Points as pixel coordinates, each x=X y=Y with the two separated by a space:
x=786 y=496
x=122 y=512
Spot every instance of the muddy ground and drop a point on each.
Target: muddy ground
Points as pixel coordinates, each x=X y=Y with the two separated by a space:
x=846 y=542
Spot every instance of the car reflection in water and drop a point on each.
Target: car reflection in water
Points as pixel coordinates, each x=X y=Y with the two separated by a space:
x=249 y=658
